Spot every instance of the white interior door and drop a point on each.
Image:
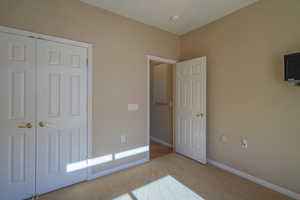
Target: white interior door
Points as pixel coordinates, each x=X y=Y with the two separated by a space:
x=17 y=108
x=191 y=109
x=61 y=114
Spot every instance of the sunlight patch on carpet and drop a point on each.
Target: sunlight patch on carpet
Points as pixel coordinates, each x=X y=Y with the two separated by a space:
x=166 y=188
x=123 y=197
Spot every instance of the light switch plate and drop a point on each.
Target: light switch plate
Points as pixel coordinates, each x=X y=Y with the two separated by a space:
x=133 y=107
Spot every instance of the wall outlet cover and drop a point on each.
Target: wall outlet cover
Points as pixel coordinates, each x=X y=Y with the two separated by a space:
x=244 y=143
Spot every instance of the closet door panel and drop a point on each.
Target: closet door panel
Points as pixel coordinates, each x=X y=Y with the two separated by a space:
x=17 y=116
x=62 y=114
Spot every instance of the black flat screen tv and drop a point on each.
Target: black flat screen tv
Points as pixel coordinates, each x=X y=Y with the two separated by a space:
x=292 y=67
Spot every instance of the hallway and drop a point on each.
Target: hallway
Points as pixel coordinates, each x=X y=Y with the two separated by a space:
x=158 y=150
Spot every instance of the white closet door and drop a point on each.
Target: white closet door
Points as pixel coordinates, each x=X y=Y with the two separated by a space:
x=191 y=109
x=17 y=108
x=61 y=114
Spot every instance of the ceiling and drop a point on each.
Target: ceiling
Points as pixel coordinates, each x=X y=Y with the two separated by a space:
x=158 y=13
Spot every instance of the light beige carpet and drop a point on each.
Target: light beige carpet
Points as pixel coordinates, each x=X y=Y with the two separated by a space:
x=207 y=182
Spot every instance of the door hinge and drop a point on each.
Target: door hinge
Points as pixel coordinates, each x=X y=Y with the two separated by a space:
x=87 y=61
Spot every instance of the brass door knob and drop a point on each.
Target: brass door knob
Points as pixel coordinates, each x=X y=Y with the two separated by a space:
x=43 y=124
x=28 y=125
x=200 y=115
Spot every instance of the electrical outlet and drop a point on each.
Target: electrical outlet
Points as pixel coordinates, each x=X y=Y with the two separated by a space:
x=123 y=139
x=244 y=143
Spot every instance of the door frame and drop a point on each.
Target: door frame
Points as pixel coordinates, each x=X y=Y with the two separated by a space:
x=89 y=48
x=163 y=60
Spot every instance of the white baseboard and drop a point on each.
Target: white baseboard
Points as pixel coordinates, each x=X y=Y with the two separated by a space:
x=256 y=180
x=116 y=169
x=160 y=141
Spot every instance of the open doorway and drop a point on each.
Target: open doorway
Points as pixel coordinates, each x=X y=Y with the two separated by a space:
x=161 y=76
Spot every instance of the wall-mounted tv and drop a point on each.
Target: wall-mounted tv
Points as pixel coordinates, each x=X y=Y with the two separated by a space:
x=292 y=67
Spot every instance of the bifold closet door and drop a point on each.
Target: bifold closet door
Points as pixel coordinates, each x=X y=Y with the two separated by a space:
x=61 y=114
x=17 y=117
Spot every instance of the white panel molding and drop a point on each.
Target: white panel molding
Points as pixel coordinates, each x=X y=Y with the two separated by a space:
x=17 y=155
x=116 y=169
x=256 y=180
x=75 y=94
x=54 y=94
x=17 y=102
x=159 y=59
x=17 y=52
x=160 y=141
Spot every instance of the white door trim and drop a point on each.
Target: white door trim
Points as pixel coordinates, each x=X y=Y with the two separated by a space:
x=89 y=48
x=90 y=106
x=42 y=36
x=159 y=59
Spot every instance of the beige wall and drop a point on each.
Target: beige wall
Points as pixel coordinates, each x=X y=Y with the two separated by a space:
x=247 y=96
x=161 y=114
x=119 y=76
